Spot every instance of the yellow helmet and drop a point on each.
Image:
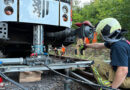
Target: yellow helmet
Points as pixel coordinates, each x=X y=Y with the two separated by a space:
x=110 y=29
x=111 y=23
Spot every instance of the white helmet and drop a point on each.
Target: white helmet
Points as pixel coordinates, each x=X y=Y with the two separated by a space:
x=110 y=29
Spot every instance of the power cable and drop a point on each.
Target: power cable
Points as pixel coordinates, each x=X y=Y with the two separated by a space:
x=12 y=81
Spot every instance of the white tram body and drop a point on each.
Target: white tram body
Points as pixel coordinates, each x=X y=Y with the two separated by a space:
x=47 y=12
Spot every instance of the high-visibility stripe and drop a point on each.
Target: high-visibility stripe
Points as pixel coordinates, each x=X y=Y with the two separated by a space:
x=128 y=42
x=99 y=78
x=87 y=41
x=94 y=38
x=63 y=49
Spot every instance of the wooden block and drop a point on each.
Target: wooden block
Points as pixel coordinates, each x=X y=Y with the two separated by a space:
x=30 y=76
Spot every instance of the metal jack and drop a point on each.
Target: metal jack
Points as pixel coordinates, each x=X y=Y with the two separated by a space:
x=67 y=80
x=38 y=43
x=38 y=47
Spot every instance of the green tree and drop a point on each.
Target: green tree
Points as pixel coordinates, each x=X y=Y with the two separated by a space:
x=100 y=9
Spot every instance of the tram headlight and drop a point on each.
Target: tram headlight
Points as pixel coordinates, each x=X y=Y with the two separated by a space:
x=65 y=9
x=8 y=2
x=9 y=10
x=65 y=17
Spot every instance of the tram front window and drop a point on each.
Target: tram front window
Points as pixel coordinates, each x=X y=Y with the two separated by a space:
x=66 y=1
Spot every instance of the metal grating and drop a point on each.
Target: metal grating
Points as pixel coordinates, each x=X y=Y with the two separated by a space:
x=3 y=31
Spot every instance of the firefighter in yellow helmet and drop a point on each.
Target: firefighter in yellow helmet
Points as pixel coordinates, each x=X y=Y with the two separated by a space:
x=117 y=73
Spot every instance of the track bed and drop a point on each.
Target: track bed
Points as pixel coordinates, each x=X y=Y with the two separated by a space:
x=50 y=81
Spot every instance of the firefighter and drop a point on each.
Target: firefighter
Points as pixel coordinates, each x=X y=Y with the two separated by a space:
x=79 y=46
x=63 y=50
x=56 y=51
x=117 y=73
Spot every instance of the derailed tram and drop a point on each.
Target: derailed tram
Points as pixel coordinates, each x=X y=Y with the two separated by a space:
x=28 y=27
x=19 y=18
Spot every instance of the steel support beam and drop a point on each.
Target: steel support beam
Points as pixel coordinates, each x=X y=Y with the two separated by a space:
x=67 y=80
x=22 y=68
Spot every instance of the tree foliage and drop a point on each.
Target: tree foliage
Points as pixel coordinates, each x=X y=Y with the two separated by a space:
x=100 y=9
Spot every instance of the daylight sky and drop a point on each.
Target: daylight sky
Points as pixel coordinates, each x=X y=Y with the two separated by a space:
x=84 y=1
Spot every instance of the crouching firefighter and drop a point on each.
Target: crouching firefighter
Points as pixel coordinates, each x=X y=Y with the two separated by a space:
x=117 y=73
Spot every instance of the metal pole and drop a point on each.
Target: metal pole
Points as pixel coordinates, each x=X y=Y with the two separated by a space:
x=84 y=79
x=11 y=61
x=38 y=39
x=67 y=81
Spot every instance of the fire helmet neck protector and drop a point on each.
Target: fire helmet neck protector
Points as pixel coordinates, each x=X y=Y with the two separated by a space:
x=110 y=30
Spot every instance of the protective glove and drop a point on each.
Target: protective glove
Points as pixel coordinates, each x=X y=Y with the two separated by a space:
x=83 y=47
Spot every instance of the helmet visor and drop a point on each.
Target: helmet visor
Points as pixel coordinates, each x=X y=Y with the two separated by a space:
x=113 y=37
